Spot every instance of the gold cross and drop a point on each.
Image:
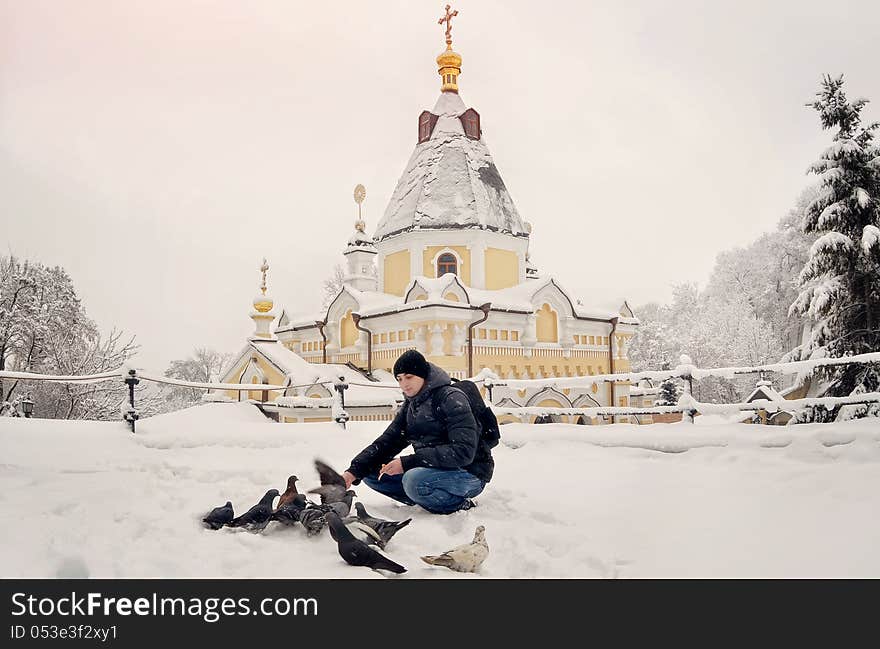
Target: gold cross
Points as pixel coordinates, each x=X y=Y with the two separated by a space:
x=264 y=268
x=448 y=20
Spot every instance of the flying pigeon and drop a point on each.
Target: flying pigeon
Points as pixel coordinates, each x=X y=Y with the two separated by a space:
x=257 y=517
x=332 y=487
x=313 y=519
x=219 y=516
x=356 y=552
x=289 y=512
x=464 y=558
x=290 y=493
x=385 y=529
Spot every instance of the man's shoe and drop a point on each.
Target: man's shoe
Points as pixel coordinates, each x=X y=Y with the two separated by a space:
x=467 y=504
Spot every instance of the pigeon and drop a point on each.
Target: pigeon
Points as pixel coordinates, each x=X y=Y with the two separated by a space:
x=257 y=517
x=290 y=493
x=385 y=529
x=464 y=558
x=313 y=519
x=362 y=532
x=289 y=512
x=219 y=516
x=356 y=552
x=332 y=487
x=341 y=508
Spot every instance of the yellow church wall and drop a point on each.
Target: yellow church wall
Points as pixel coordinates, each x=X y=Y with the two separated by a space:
x=396 y=275
x=502 y=268
x=547 y=325
x=347 y=331
x=430 y=270
x=272 y=376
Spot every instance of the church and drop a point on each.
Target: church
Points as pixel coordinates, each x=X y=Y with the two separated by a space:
x=446 y=271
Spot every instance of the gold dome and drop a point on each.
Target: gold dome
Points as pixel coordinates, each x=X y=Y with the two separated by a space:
x=449 y=59
x=449 y=67
x=263 y=303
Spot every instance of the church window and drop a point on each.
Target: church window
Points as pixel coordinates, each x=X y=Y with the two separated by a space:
x=514 y=335
x=392 y=337
x=503 y=334
x=446 y=263
x=481 y=334
x=427 y=121
x=470 y=121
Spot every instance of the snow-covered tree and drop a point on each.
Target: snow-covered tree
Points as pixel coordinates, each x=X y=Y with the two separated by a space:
x=203 y=366
x=332 y=286
x=669 y=393
x=44 y=329
x=840 y=282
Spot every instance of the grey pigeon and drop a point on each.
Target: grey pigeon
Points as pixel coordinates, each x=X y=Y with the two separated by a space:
x=257 y=517
x=289 y=493
x=219 y=516
x=313 y=519
x=464 y=558
x=356 y=552
x=288 y=513
x=385 y=529
x=361 y=532
x=332 y=488
x=341 y=508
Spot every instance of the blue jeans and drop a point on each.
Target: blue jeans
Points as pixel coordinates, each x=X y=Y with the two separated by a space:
x=440 y=491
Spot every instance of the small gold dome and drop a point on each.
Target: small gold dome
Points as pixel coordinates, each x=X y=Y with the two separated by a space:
x=449 y=59
x=263 y=303
x=449 y=68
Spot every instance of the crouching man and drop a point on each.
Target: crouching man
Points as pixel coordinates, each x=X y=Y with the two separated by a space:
x=449 y=464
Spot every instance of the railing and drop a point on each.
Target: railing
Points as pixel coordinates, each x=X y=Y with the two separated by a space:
x=686 y=405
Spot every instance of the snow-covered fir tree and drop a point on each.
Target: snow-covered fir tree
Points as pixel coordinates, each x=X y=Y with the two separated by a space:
x=669 y=393
x=840 y=282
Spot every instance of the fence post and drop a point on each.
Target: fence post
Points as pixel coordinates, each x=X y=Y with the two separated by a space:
x=341 y=386
x=488 y=383
x=687 y=365
x=131 y=415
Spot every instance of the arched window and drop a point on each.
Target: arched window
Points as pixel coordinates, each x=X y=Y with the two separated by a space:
x=446 y=263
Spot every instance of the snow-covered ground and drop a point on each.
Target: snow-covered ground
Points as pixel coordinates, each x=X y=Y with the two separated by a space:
x=714 y=499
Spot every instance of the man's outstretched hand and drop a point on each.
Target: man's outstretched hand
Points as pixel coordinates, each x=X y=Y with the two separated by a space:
x=394 y=467
x=349 y=478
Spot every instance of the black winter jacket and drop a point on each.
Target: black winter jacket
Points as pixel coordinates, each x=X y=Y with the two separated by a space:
x=449 y=443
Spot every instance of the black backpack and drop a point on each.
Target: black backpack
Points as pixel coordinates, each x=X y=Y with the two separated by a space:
x=490 y=433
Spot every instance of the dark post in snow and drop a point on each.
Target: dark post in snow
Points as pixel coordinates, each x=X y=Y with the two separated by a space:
x=688 y=413
x=131 y=415
x=489 y=386
x=341 y=386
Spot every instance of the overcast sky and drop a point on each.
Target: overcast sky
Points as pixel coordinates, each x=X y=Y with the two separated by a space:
x=159 y=149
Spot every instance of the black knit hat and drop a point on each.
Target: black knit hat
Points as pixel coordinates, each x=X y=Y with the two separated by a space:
x=412 y=362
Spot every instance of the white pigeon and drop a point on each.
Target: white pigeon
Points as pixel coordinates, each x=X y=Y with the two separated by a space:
x=464 y=558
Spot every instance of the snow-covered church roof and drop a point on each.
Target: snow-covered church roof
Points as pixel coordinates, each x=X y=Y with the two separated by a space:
x=450 y=182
